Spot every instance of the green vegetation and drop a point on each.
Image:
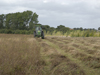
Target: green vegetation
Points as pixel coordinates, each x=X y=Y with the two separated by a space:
x=24 y=23
x=87 y=33
x=18 y=21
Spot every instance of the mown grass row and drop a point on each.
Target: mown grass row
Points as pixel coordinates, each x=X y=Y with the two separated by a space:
x=79 y=52
x=62 y=64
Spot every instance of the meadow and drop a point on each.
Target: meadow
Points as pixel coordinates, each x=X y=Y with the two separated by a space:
x=26 y=55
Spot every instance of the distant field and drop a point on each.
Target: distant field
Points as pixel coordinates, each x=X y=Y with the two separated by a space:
x=26 y=55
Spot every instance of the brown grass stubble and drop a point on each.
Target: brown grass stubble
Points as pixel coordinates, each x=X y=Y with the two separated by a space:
x=87 y=47
x=94 y=44
x=61 y=45
x=20 y=57
x=62 y=65
x=45 y=47
x=91 y=61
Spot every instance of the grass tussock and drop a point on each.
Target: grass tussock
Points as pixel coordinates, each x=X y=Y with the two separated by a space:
x=96 y=47
x=90 y=51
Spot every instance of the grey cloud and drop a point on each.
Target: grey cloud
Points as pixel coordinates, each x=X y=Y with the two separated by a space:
x=74 y=14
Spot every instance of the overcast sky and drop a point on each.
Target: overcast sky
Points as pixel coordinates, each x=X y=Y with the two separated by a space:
x=71 y=13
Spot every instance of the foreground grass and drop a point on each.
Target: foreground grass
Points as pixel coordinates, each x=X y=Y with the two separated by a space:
x=25 y=55
x=20 y=55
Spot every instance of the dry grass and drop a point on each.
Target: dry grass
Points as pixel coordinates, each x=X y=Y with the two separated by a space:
x=20 y=55
x=81 y=50
x=25 y=55
x=62 y=65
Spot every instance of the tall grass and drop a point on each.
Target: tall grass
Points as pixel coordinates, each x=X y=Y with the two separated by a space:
x=54 y=33
x=87 y=33
x=74 y=33
x=20 y=55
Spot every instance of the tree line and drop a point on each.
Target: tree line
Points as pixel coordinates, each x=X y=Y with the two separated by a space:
x=24 y=23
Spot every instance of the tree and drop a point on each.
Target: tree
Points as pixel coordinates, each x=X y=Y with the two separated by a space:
x=62 y=28
x=99 y=28
x=46 y=27
x=59 y=28
x=1 y=21
x=33 y=21
x=21 y=21
x=81 y=28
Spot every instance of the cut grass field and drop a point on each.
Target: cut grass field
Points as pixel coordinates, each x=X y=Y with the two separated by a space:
x=26 y=55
